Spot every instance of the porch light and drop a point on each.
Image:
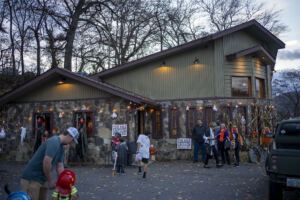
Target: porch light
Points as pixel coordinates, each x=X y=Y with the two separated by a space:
x=228 y=105
x=29 y=118
x=62 y=80
x=151 y=110
x=200 y=107
x=38 y=111
x=100 y=111
x=114 y=110
x=50 y=109
x=196 y=61
x=187 y=108
x=163 y=64
x=240 y=103
x=128 y=107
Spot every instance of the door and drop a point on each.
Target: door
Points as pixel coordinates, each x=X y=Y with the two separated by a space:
x=140 y=122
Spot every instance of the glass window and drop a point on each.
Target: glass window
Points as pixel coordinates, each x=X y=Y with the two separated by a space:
x=157 y=124
x=241 y=87
x=260 y=88
x=174 y=123
x=190 y=121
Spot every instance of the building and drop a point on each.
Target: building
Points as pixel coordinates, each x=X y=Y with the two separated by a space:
x=217 y=77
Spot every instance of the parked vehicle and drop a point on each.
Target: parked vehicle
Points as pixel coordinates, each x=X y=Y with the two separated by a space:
x=283 y=161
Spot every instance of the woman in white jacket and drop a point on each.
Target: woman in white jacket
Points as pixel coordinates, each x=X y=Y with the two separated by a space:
x=210 y=146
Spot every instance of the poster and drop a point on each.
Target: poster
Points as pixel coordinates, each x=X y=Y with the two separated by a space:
x=119 y=128
x=184 y=143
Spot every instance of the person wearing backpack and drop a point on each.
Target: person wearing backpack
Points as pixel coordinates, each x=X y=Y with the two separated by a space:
x=198 y=132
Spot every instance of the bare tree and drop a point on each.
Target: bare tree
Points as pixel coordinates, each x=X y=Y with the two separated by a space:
x=223 y=14
x=286 y=91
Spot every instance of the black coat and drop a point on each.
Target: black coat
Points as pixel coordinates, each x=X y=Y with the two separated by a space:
x=199 y=132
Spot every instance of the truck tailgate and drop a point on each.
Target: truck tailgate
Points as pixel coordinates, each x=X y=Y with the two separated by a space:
x=288 y=161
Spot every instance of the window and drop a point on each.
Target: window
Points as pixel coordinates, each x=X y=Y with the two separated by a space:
x=260 y=88
x=241 y=87
x=209 y=115
x=190 y=121
x=157 y=124
x=83 y=121
x=174 y=122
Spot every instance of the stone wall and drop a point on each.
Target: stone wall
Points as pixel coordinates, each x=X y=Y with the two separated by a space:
x=17 y=115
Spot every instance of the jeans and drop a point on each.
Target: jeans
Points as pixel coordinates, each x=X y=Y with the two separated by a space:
x=237 y=153
x=198 y=144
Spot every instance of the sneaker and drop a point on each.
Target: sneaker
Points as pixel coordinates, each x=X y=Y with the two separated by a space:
x=219 y=165
x=144 y=175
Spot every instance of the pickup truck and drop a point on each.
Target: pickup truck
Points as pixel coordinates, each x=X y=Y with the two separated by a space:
x=283 y=160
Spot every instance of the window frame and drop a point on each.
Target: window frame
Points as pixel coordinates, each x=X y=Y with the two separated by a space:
x=171 y=122
x=92 y=115
x=213 y=115
x=263 y=87
x=155 y=135
x=189 y=129
x=249 y=86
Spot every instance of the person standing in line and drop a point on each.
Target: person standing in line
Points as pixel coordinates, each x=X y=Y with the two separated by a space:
x=122 y=150
x=210 y=145
x=198 y=132
x=36 y=178
x=236 y=146
x=222 y=136
x=143 y=146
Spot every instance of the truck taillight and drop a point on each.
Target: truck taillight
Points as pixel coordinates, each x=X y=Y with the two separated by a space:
x=274 y=145
x=274 y=162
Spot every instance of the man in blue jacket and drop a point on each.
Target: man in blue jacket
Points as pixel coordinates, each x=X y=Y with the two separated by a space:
x=198 y=132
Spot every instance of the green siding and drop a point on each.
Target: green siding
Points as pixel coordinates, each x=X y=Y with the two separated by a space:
x=179 y=79
x=70 y=90
x=219 y=68
x=238 y=41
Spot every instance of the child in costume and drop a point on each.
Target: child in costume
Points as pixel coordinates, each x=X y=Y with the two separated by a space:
x=122 y=156
x=65 y=189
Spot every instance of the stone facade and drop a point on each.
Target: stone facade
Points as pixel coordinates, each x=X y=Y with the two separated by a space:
x=16 y=115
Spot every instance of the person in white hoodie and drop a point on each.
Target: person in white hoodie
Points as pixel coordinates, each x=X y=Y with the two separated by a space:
x=143 y=145
x=210 y=146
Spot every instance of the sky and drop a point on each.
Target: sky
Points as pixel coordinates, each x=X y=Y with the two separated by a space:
x=288 y=58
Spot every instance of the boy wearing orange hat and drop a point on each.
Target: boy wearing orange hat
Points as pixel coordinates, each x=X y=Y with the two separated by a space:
x=65 y=189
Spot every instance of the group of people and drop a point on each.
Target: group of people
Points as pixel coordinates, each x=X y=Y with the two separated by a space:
x=214 y=141
x=120 y=152
x=36 y=178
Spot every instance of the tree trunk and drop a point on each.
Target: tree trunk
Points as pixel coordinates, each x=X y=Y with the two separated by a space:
x=71 y=35
x=38 y=53
x=12 y=39
x=22 y=55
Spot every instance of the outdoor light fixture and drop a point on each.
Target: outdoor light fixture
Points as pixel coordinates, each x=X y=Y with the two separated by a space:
x=100 y=111
x=163 y=64
x=196 y=61
x=62 y=80
x=187 y=108
x=128 y=107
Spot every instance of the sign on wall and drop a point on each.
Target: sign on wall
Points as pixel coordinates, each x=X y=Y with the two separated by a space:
x=184 y=143
x=119 y=128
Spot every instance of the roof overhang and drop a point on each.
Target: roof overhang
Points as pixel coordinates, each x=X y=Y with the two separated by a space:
x=54 y=72
x=258 y=51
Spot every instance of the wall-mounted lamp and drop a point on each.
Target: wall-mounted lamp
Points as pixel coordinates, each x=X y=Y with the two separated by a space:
x=50 y=109
x=100 y=111
x=128 y=107
x=163 y=64
x=196 y=61
x=62 y=80
x=187 y=108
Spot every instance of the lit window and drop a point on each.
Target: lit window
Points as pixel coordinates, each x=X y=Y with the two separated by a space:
x=174 y=123
x=157 y=124
x=241 y=87
x=190 y=121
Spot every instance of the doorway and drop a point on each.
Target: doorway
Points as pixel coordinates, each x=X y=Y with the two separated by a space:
x=140 y=122
x=42 y=122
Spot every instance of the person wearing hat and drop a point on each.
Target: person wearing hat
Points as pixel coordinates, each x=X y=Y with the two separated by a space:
x=36 y=178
